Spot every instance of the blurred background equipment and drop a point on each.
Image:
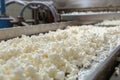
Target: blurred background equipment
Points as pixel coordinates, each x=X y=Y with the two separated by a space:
x=33 y=12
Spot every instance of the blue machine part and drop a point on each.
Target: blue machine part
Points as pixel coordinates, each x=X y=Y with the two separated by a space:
x=4 y=20
x=5 y=23
x=2 y=7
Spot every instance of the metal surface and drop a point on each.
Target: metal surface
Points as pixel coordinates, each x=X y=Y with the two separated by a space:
x=39 y=5
x=36 y=29
x=41 y=12
x=105 y=69
x=65 y=4
x=72 y=5
x=9 y=2
x=92 y=17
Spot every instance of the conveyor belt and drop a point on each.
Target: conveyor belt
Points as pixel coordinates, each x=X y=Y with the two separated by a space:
x=105 y=69
x=103 y=72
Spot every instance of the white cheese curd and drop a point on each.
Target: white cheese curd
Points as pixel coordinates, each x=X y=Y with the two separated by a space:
x=62 y=55
x=90 y=12
x=109 y=22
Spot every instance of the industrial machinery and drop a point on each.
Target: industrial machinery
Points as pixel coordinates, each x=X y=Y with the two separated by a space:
x=42 y=12
x=88 y=12
x=103 y=72
x=50 y=11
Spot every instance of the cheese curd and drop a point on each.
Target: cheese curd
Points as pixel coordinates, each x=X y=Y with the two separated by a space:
x=109 y=22
x=55 y=55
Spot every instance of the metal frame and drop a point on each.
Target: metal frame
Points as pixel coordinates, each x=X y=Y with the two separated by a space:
x=106 y=69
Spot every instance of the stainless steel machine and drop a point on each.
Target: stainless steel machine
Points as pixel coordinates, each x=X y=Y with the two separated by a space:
x=42 y=12
x=59 y=11
x=50 y=11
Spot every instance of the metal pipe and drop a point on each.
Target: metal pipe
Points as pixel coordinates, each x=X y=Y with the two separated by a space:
x=15 y=1
x=24 y=24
